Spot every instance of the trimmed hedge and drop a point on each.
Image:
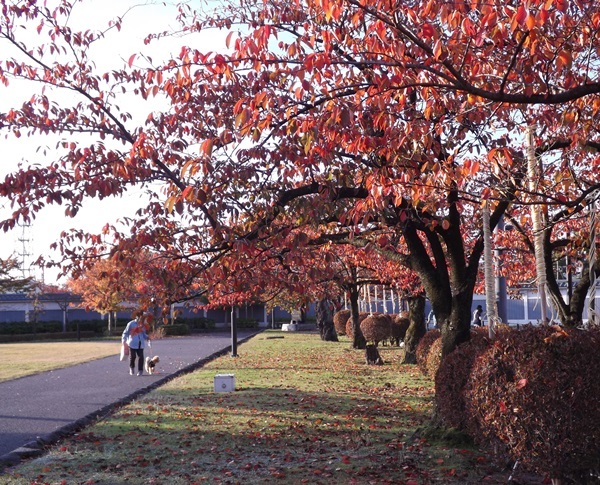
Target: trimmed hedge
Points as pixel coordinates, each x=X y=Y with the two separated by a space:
x=452 y=377
x=361 y=317
x=339 y=321
x=175 y=329
x=197 y=323
x=422 y=350
x=400 y=324
x=246 y=323
x=16 y=328
x=376 y=328
x=36 y=337
x=434 y=358
x=98 y=326
x=536 y=390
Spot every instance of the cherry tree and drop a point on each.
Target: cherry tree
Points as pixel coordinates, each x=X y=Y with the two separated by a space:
x=348 y=115
x=104 y=289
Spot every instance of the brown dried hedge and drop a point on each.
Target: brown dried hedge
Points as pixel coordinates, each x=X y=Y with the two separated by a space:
x=361 y=317
x=339 y=321
x=400 y=324
x=422 y=350
x=434 y=358
x=452 y=377
x=376 y=328
x=536 y=390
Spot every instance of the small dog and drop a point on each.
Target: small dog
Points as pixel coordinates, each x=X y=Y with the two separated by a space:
x=151 y=364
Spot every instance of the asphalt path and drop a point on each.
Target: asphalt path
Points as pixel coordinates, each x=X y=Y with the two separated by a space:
x=38 y=410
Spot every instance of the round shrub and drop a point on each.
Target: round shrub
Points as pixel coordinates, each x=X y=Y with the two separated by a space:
x=400 y=324
x=452 y=377
x=339 y=321
x=536 y=390
x=434 y=358
x=376 y=328
x=361 y=317
x=422 y=350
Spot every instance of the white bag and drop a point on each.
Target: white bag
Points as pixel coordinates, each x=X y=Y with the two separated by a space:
x=124 y=351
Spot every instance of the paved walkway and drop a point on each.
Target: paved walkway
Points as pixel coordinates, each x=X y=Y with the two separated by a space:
x=40 y=409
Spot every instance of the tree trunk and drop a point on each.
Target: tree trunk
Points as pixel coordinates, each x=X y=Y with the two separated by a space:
x=490 y=278
x=538 y=221
x=372 y=355
x=329 y=333
x=416 y=329
x=570 y=313
x=457 y=328
x=448 y=271
x=358 y=340
x=325 y=320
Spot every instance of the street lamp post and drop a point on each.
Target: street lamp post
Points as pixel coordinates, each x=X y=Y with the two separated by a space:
x=233 y=333
x=501 y=281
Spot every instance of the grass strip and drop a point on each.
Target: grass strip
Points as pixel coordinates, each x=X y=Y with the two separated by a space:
x=23 y=359
x=304 y=411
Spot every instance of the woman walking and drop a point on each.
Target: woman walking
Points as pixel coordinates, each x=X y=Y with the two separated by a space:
x=135 y=336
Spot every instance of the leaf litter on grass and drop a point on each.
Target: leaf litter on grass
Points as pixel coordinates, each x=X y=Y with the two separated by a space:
x=304 y=411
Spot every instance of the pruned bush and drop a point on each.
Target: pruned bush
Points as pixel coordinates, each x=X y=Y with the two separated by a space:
x=400 y=324
x=422 y=350
x=97 y=326
x=361 y=317
x=536 y=390
x=247 y=323
x=376 y=328
x=200 y=323
x=434 y=358
x=176 y=329
x=14 y=328
x=23 y=337
x=452 y=377
x=339 y=321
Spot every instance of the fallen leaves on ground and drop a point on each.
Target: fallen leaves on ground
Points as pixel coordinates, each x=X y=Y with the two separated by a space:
x=304 y=411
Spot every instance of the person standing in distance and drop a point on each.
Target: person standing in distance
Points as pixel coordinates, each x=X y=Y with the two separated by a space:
x=477 y=316
x=135 y=336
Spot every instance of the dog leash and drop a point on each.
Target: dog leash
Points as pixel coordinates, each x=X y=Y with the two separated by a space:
x=151 y=349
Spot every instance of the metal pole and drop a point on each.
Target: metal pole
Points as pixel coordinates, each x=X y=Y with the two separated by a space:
x=569 y=280
x=233 y=334
x=501 y=281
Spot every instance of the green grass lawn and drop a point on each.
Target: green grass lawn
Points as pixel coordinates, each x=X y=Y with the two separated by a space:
x=23 y=359
x=304 y=411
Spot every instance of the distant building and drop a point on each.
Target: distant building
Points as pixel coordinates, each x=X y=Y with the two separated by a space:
x=20 y=307
x=519 y=311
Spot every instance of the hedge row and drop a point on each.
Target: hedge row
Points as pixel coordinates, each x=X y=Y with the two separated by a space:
x=532 y=393
x=100 y=327
x=197 y=323
x=28 y=337
x=18 y=328
x=175 y=329
x=376 y=327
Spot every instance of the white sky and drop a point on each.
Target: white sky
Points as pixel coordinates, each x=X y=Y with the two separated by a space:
x=35 y=240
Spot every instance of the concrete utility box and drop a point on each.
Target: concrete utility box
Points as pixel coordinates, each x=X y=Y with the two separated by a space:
x=224 y=383
x=290 y=327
